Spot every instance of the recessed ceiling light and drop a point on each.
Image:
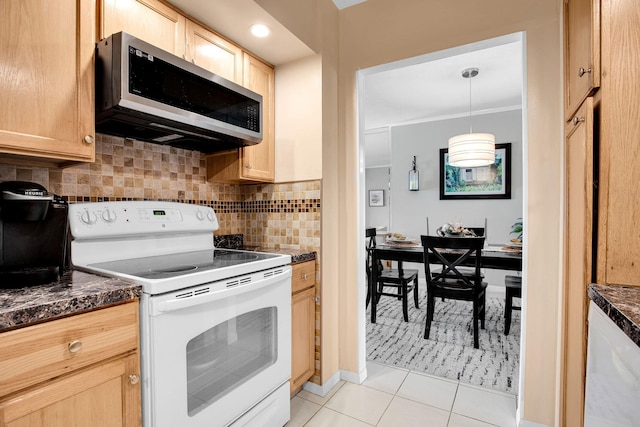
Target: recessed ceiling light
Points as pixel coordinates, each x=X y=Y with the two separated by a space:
x=260 y=30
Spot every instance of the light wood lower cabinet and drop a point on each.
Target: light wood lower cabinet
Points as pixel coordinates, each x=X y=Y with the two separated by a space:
x=82 y=370
x=303 y=314
x=579 y=255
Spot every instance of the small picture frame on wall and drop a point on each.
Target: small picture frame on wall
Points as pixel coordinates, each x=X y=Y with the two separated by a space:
x=376 y=198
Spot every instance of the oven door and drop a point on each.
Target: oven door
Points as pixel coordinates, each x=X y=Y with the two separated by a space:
x=210 y=353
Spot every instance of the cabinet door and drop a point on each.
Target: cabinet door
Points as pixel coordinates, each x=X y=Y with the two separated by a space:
x=302 y=337
x=578 y=257
x=618 y=243
x=46 y=64
x=105 y=395
x=582 y=51
x=211 y=52
x=257 y=161
x=148 y=20
x=303 y=275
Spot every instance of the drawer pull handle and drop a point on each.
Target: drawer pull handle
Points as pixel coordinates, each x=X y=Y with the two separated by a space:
x=134 y=379
x=75 y=346
x=304 y=276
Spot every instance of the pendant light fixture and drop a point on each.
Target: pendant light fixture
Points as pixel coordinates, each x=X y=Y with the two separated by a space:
x=472 y=149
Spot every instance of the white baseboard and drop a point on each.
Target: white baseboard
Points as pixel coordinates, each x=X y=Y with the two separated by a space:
x=322 y=390
x=352 y=377
x=525 y=423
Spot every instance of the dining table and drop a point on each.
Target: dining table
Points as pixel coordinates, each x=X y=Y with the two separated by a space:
x=494 y=257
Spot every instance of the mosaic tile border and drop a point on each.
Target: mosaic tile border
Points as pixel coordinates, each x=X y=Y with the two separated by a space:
x=251 y=206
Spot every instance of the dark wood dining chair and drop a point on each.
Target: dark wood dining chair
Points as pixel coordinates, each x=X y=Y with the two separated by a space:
x=513 y=289
x=400 y=279
x=450 y=282
x=370 y=234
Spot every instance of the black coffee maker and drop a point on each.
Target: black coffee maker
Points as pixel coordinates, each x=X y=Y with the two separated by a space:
x=33 y=234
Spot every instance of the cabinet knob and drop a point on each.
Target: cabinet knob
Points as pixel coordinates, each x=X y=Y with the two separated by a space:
x=577 y=120
x=248 y=166
x=134 y=378
x=89 y=139
x=75 y=346
x=304 y=276
x=582 y=71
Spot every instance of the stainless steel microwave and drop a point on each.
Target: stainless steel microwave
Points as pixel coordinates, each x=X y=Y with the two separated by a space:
x=146 y=93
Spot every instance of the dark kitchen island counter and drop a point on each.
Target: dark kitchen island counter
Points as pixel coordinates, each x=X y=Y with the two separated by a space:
x=75 y=292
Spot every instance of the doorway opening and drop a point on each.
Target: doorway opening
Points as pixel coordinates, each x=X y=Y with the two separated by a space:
x=410 y=108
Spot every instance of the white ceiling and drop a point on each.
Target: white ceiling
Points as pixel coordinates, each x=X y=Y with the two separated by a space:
x=436 y=89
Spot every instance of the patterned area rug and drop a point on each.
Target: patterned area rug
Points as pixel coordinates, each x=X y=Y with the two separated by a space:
x=449 y=352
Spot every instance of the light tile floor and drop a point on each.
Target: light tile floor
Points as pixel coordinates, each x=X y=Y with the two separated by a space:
x=394 y=397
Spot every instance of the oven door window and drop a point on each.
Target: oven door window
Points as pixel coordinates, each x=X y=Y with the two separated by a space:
x=229 y=354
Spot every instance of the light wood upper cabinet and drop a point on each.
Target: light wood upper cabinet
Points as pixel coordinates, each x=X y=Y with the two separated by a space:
x=578 y=273
x=77 y=371
x=582 y=52
x=46 y=83
x=208 y=50
x=149 y=20
x=257 y=161
x=303 y=315
x=253 y=163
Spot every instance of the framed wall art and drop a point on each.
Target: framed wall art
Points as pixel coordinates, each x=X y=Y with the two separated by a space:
x=485 y=182
x=376 y=197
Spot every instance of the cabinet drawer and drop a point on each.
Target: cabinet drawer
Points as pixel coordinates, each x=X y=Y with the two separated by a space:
x=303 y=275
x=37 y=353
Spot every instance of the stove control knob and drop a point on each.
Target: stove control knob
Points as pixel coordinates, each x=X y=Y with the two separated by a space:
x=88 y=218
x=109 y=216
x=200 y=215
x=210 y=216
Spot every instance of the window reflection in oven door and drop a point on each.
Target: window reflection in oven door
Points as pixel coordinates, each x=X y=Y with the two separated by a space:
x=211 y=356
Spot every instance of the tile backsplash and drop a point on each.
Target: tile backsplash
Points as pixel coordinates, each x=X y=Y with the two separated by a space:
x=275 y=215
x=283 y=215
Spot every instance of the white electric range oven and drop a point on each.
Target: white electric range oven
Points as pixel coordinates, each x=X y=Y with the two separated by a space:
x=215 y=323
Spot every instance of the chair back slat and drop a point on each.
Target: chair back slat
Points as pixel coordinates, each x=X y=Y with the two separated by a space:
x=451 y=253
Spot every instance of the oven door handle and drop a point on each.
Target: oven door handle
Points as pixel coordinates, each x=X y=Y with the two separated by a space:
x=230 y=291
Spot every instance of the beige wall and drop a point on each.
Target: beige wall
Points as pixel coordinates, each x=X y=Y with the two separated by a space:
x=299 y=120
x=378 y=32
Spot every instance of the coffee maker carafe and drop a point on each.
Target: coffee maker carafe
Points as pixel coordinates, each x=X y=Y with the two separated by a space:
x=33 y=234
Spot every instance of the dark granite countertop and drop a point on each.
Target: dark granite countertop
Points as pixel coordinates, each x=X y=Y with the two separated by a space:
x=297 y=255
x=75 y=292
x=622 y=305
x=236 y=241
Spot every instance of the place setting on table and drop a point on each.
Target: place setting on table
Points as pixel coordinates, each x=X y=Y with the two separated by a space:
x=455 y=229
